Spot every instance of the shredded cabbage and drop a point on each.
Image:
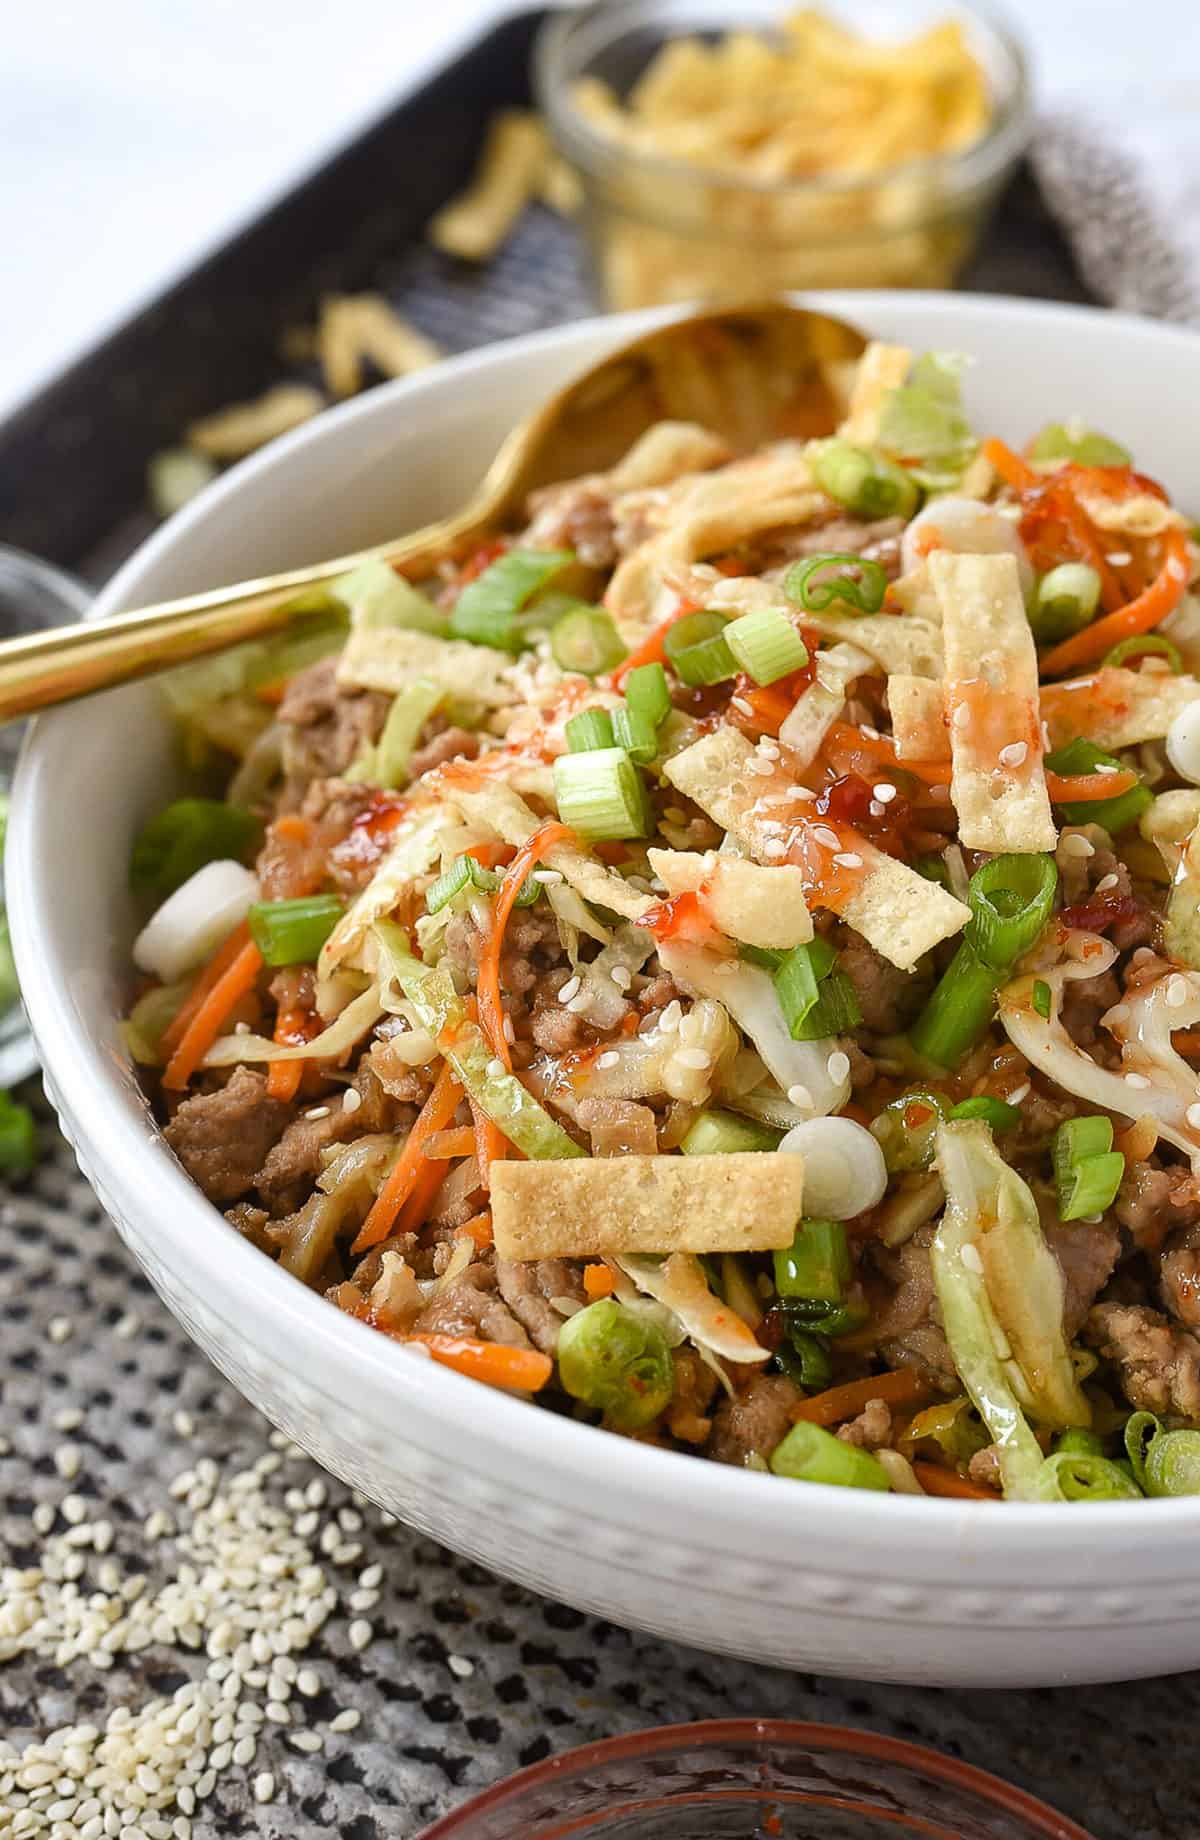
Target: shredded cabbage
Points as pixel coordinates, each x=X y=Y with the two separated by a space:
x=343 y=1033
x=924 y=421
x=376 y=597
x=679 y=1283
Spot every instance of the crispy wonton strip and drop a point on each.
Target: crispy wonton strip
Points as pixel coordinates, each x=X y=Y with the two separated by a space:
x=1116 y=708
x=998 y=784
x=881 y=369
x=389 y=658
x=918 y=711
x=242 y=427
x=357 y=326
x=897 y=642
x=761 y=907
x=896 y=910
x=586 y=1207
x=475 y=224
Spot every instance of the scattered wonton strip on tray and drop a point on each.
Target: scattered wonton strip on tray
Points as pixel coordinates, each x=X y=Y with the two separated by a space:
x=917 y=706
x=881 y=369
x=896 y=910
x=999 y=783
x=1116 y=708
x=761 y=907
x=587 y=1207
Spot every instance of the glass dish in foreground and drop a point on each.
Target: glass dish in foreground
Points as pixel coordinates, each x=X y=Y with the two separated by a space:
x=663 y=229
x=758 y=1780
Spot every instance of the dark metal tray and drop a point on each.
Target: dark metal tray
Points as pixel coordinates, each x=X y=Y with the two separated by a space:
x=73 y=459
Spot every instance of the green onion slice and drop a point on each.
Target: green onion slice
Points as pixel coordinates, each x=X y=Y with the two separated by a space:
x=1141 y=1429
x=647 y=694
x=697 y=650
x=804 y=1358
x=591 y=728
x=797 y=976
x=635 y=734
x=1115 y=814
x=958 y=1011
x=1061 y=441
x=1081 y=1476
x=766 y=645
x=293 y=932
x=718 y=1133
x=601 y=796
x=465 y=872
x=864 y=481
x=906 y=1127
x=585 y=640
x=835 y=1012
x=855 y=583
x=1043 y=999
x=1064 y=602
x=487 y=610
x=816 y=1267
x=1145 y=645
x=1173 y=1464
x=1010 y=899
x=810 y=1454
x=1077 y=1441
x=994 y=1112
x=1087 y=1170
x=173 y=844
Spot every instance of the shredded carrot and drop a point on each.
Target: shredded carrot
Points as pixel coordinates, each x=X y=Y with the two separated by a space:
x=487 y=982
x=283 y=1080
x=598 y=1281
x=520 y=1370
x=650 y=651
x=434 y=1115
x=1142 y=615
x=443 y=1145
x=205 y=1025
x=426 y=1183
x=479 y=1228
x=206 y=979
x=1082 y=788
x=902 y=1388
x=293 y=828
x=1014 y=471
x=491 y=1145
x=1052 y=497
x=272 y=693
x=936 y=1479
x=769 y=707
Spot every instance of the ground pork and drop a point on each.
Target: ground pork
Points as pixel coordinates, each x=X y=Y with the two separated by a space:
x=222 y=1137
x=287 y=1174
x=1157 y=1364
x=440 y=742
x=1154 y=1201
x=1179 y=1276
x=529 y=1287
x=888 y=998
x=324 y=724
x=253 y=1223
x=906 y=1318
x=876 y=542
x=577 y=515
x=469 y=1306
x=1087 y=1253
x=871 y=1430
x=984 y=1468
x=753 y=1422
x=695 y=1384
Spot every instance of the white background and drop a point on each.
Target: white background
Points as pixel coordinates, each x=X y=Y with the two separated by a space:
x=134 y=134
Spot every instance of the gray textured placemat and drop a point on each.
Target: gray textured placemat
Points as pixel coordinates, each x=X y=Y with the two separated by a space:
x=466 y=1677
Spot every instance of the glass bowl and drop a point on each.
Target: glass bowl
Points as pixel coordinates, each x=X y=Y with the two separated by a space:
x=751 y=1779
x=663 y=230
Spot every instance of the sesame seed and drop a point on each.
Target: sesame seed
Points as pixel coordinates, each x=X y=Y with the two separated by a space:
x=775 y=847
x=183 y=1424
x=360 y=1633
x=1072 y=844
x=621 y=976
x=969 y=1255
x=42 y=1517
x=697 y=1058
x=308 y=1682
x=1177 y=992
x=67 y=1460
x=848 y=859
x=838 y=1066
x=961 y=717
x=1019 y=1093
x=317 y=1111
x=743 y=707
x=825 y=836
x=508 y=1031
x=570 y=989
x=1014 y=754
x=307 y=1740
x=876 y=809
x=547 y=877
x=1120 y=558
x=371 y=1576
x=461 y=1665
x=800 y=1096
x=68 y=1418
x=1106 y=882
x=496 y=1069
x=60 y=1328
x=264 y=1786
x=1103 y=766
x=349 y=1719
x=885 y=792
x=1176 y=570
x=351 y=1099
x=610 y=1058
x=1136 y=1079
x=872 y=734
x=1193 y=1116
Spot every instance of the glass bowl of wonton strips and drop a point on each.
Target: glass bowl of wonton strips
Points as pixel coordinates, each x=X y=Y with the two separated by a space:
x=749 y=147
x=722 y=959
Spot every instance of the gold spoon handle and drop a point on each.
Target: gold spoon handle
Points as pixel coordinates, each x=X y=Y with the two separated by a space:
x=44 y=668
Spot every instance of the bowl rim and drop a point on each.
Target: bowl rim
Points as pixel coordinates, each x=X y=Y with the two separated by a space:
x=843 y=1740
x=229 y=1270
x=601 y=155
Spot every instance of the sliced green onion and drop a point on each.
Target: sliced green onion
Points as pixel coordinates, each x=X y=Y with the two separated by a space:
x=810 y=1454
x=864 y=481
x=465 y=872
x=635 y=734
x=994 y=1112
x=1141 y=1429
x=487 y=611
x=905 y=1130
x=835 y=1012
x=586 y=641
x=409 y=712
x=857 y=583
x=959 y=1010
x=1043 y=999
x=293 y=932
x=924 y=421
x=18 y=1136
x=1145 y=645
x=1081 y=1476
x=618 y=1361
x=934 y=870
x=450 y=882
x=1077 y=1441
x=816 y=1267
x=1063 y=441
x=718 y=1133
x=1064 y=602
x=1172 y=1465
x=1116 y=814
x=1087 y=1170
x=647 y=693
x=590 y=729
x=176 y=842
x=797 y=977
x=805 y=1359
x=809 y=1316
x=766 y=644
x=1010 y=899
x=697 y=650
x=600 y=795
x=768 y=958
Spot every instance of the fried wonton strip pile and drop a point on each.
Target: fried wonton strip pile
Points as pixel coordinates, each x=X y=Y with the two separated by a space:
x=998 y=783
x=896 y=910
x=475 y=224
x=761 y=907
x=586 y=1207
x=881 y=369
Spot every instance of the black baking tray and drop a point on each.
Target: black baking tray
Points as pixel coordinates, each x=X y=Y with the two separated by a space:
x=73 y=458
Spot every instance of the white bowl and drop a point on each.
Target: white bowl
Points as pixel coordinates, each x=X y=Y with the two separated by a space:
x=888 y=1587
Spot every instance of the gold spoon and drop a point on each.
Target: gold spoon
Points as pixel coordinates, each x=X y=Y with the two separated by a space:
x=747 y=372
